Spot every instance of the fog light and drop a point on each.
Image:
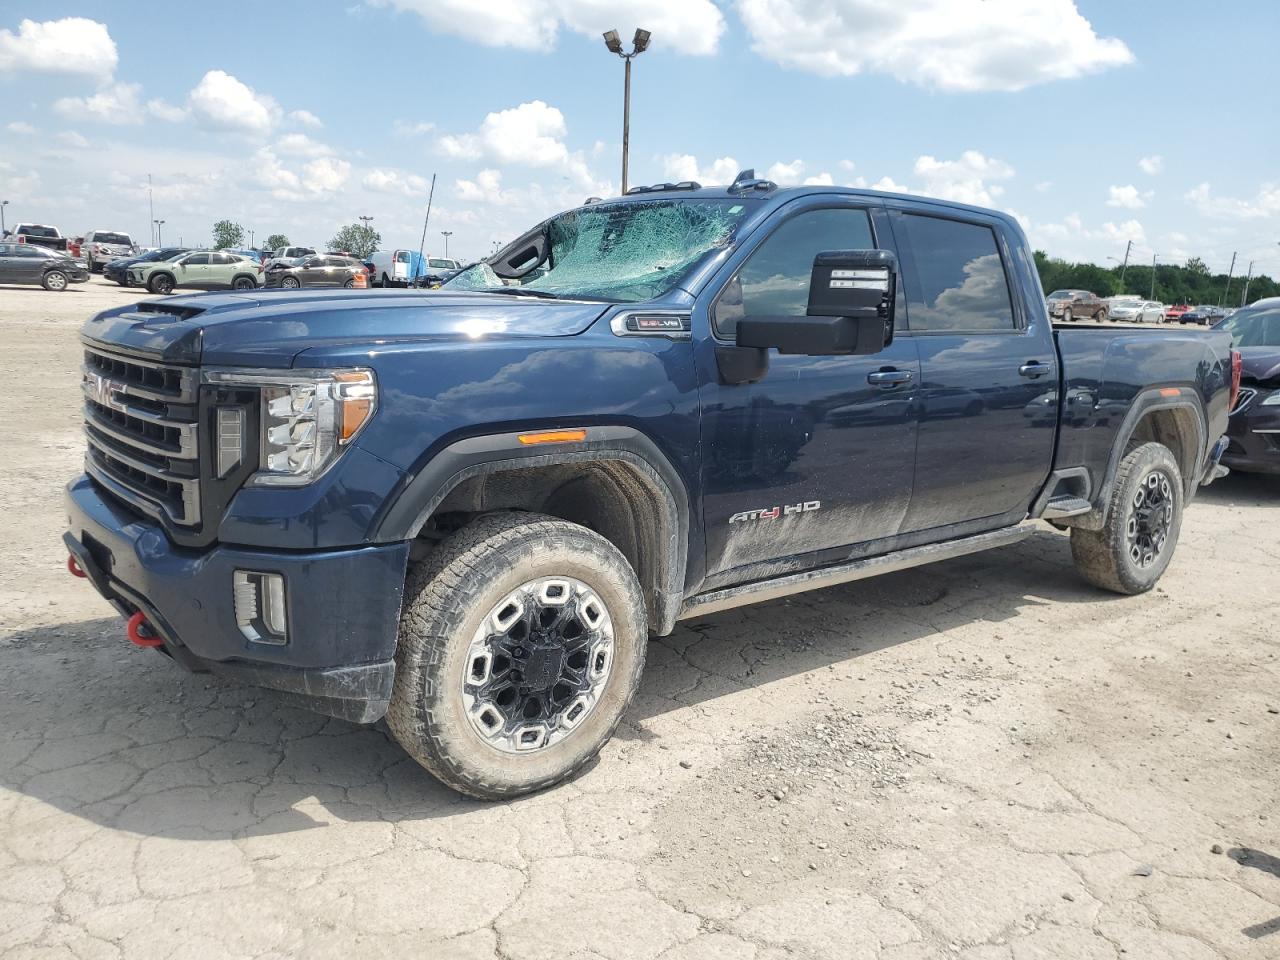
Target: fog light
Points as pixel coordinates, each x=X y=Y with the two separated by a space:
x=260 y=606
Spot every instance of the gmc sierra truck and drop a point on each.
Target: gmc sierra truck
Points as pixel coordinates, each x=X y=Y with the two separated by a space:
x=466 y=510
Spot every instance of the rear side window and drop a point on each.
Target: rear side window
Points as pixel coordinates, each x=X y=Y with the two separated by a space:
x=960 y=283
x=774 y=281
x=402 y=256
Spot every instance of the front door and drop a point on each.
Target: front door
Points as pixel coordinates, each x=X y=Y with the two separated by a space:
x=193 y=271
x=817 y=455
x=986 y=368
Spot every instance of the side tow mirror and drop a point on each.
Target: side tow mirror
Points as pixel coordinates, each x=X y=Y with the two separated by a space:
x=850 y=310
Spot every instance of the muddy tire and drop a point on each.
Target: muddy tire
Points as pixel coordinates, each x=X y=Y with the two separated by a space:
x=521 y=644
x=1131 y=553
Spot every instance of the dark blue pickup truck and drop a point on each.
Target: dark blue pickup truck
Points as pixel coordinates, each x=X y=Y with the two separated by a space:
x=467 y=509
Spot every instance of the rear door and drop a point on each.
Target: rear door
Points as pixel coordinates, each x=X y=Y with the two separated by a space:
x=987 y=364
x=10 y=269
x=819 y=454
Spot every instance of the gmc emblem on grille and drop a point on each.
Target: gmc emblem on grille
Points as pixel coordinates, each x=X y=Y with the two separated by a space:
x=103 y=391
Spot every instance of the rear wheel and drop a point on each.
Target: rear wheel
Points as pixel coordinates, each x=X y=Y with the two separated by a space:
x=349 y=284
x=521 y=645
x=243 y=283
x=1131 y=553
x=54 y=280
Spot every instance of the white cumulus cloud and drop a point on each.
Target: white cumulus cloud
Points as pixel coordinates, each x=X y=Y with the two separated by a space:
x=684 y=166
x=69 y=45
x=485 y=188
x=72 y=139
x=116 y=103
x=220 y=100
x=1129 y=197
x=393 y=181
x=1265 y=203
x=531 y=134
x=951 y=45
x=164 y=110
x=966 y=180
x=687 y=26
x=300 y=145
x=20 y=127
x=1151 y=165
x=305 y=118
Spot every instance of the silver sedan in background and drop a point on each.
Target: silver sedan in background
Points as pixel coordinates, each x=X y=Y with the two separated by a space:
x=1135 y=311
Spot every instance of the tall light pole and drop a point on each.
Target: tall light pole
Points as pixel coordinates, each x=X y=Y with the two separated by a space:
x=3 y=204
x=1244 y=297
x=1125 y=266
x=159 y=238
x=250 y=239
x=1153 y=277
x=446 y=234
x=151 y=206
x=366 y=221
x=639 y=44
x=1230 y=271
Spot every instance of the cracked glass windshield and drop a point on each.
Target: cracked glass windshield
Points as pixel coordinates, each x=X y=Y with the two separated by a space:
x=625 y=252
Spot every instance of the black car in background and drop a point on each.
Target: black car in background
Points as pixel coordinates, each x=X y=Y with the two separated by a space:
x=1203 y=315
x=118 y=270
x=28 y=263
x=1253 y=430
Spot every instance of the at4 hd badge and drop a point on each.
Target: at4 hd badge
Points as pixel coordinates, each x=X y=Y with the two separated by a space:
x=773 y=513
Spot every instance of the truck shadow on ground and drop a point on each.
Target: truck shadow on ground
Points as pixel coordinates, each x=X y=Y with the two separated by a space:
x=1243 y=489
x=125 y=739
x=1248 y=857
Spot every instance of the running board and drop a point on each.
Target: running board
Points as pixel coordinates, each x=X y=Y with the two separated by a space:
x=762 y=590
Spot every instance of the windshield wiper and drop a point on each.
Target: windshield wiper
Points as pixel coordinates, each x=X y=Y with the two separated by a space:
x=524 y=292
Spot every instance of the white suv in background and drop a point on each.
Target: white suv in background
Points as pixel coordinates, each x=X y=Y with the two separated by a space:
x=100 y=247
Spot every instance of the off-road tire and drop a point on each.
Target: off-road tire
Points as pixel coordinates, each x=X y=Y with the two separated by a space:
x=448 y=596
x=1102 y=556
x=55 y=280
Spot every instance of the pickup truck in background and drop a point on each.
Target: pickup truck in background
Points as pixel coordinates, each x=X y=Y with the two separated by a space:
x=40 y=234
x=467 y=509
x=1071 y=305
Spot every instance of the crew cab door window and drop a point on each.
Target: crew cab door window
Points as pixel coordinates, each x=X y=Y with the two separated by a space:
x=960 y=282
x=774 y=282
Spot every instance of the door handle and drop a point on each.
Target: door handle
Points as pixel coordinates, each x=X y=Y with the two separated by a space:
x=1035 y=369
x=889 y=378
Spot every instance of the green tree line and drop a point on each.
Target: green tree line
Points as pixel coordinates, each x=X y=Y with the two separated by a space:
x=1190 y=283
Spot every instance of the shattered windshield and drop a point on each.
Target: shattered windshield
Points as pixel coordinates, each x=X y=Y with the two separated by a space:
x=626 y=252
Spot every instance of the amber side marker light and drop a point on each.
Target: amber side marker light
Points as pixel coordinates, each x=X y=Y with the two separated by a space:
x=553 y=436
x=1170 y=392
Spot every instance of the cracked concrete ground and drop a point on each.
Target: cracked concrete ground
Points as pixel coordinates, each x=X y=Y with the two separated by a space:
x=982 y=759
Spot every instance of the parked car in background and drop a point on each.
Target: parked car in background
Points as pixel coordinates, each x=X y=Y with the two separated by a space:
x=1253 y=430
x=39 y=234
x=1135 y=310
x=318 y=271
x=290 y=253
x=202 y=269
x=118 y=270
x=100 y=247
x=1071 y=305
x=1205 y=315
x=397 y=268
x=1174 y=311
x=29 y=263
x=257 y=255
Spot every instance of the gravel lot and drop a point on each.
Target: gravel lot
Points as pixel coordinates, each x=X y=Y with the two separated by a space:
x=983 y=759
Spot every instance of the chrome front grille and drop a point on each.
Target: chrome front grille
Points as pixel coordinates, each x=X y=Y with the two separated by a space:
x=141 y=424
x=1242 y=401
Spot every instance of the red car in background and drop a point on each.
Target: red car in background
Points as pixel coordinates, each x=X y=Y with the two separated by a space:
x=1175 y=311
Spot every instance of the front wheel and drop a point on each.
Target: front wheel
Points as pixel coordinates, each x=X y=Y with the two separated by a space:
x=54 y=280
x=290 y=283
x=1066 y=316
x=1131 y=553
x=161 y=283
x=521 y=645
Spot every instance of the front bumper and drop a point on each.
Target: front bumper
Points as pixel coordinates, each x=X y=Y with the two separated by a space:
x=343 y=606
x=1254 y=434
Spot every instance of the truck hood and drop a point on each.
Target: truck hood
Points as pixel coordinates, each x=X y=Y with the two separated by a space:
x=1259 y=363
x=269 y=328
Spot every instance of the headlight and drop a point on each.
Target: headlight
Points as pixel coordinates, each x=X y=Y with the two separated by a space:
x=306 y=419
x=1273 y=400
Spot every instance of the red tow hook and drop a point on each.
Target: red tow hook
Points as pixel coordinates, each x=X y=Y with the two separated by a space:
x=73 y=566
x=137 y=637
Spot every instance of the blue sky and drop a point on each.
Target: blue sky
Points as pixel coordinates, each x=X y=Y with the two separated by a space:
x=1094 y=122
